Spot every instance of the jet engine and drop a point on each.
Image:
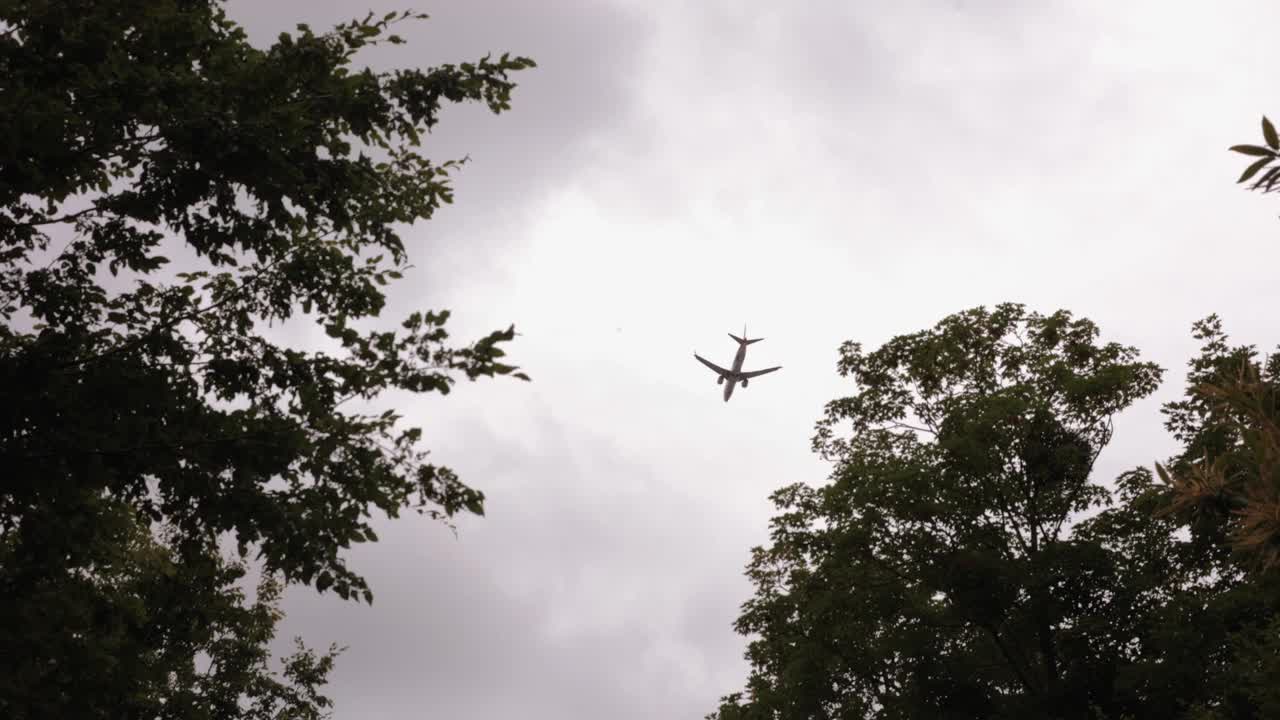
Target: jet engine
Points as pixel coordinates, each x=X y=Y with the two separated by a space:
x=744 y=382
x=719 y=379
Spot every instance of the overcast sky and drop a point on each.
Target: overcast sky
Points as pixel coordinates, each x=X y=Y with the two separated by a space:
x=820 y=171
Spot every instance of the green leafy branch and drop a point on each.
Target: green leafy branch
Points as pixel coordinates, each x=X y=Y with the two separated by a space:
x=1266 y=155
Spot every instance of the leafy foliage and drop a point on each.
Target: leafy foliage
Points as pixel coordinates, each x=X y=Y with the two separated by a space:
x=1226 y=482
x=947 y=570
x=122 y=629
x=132 y=394
x=1267 y=155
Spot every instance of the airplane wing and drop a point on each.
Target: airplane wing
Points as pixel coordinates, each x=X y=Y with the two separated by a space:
x=756 y=373
x=719 y=370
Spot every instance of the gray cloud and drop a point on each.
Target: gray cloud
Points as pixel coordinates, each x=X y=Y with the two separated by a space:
x=586 y=53
x=592 y=587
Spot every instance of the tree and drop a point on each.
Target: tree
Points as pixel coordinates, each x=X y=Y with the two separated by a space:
x=947 y=570
x=1226 y=481
x=143 y=416
x=150 y=633
x=1225 y=484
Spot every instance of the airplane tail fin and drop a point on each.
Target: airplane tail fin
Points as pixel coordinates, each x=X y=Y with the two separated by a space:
x=743 y=341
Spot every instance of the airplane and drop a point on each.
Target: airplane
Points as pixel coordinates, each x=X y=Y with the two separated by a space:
x=736 y=375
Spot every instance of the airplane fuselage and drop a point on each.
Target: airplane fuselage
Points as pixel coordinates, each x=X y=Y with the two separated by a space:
x=732 y=381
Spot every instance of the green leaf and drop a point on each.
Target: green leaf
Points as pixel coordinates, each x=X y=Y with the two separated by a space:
x=1269 y=133
x=1268 y=178
x=1252 y=150
x=324 y=581
x=1163 y=475
x=1254 y=168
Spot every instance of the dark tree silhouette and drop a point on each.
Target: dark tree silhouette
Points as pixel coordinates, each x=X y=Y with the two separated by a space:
x=142 y=415
x=961 y=562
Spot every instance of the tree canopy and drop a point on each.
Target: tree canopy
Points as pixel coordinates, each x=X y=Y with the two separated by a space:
x=963 y=563
x=1226 y=481
x=144 y=416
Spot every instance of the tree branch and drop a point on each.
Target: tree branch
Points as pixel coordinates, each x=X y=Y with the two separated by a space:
x=160 y=327
x=1008 y=656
